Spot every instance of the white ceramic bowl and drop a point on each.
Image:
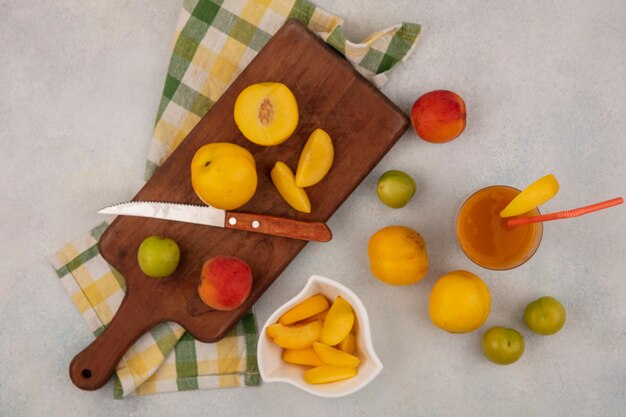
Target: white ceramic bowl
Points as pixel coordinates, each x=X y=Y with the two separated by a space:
x=274 y=369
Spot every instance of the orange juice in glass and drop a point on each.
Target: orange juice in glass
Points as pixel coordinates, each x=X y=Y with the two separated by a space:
x=484 y=236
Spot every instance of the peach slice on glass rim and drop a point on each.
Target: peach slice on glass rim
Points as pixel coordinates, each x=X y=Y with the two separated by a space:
x=532 y=196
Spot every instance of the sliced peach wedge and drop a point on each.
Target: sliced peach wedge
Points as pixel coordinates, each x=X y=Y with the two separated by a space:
x=307 y=308
x=532 y=196
x=319 y=316
x=335 y=357
x=284 y=181
x=338 y=322
x=316 y=159
x=348 y=344
x=326 y=373
x=295 y=337
x=305 y=356
x=266 y=113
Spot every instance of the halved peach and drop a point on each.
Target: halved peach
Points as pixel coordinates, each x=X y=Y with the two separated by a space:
x=266 y=113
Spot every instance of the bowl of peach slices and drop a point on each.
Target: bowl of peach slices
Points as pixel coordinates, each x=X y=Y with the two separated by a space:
x=319 y=341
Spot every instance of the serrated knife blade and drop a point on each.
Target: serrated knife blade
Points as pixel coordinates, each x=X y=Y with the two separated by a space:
x=211 y=216
x=188 y=213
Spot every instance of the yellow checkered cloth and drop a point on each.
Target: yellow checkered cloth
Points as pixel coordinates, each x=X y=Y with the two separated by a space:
x=214 y=41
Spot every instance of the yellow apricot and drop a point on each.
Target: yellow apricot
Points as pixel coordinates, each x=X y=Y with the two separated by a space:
x=295 y=337
x=285 y=183
x=316 y=159
x=309 y=307
x=348 y=344
x=266 y=113
x=335 y=357
x=305 y=356
x=338 y=322
x=325 y=374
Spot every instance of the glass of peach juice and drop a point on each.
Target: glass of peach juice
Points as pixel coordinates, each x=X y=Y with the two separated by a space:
x=484 y=236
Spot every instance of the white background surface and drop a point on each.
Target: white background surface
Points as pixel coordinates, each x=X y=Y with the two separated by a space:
x=545 y=87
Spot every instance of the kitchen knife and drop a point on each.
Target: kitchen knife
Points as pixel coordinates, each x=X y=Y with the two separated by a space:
x=211 y=216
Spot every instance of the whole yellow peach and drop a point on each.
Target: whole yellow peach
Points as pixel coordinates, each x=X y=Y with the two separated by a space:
x=459 y=302
x=398 y=255
x=224 y=175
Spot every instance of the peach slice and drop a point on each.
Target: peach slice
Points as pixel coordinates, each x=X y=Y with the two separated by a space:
x=305 y=356
x=348 y=344
x=325 y=374
x=316 y=159
x=285 y=183
x=295 y=337
x=307 y=308
x=319 y=316
x=532 y=196
x=338 y=322
x=335 y=357
x=266 y=113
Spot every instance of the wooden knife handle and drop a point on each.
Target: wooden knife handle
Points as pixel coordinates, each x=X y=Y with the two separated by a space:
x=278 y=226
x=94 y=366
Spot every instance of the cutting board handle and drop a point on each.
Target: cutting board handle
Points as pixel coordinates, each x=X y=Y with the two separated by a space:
x=94 y=366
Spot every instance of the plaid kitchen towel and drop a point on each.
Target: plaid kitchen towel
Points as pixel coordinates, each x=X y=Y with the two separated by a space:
x=214 y=41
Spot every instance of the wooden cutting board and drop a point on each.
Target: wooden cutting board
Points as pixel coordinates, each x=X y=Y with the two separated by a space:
x=331 y=95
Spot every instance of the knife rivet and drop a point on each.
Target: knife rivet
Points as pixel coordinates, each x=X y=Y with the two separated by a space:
x=232 y=221
x=255 y=224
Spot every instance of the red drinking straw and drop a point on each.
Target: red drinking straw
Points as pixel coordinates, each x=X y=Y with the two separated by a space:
x=565 y=214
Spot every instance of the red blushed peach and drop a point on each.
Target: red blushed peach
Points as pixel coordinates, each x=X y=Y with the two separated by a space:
x=225 y=282
x=438 y=116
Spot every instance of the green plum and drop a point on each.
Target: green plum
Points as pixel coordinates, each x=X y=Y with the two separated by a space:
x=158 y=256
x=545 y=316
x=395 y=188
x=503 y=346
